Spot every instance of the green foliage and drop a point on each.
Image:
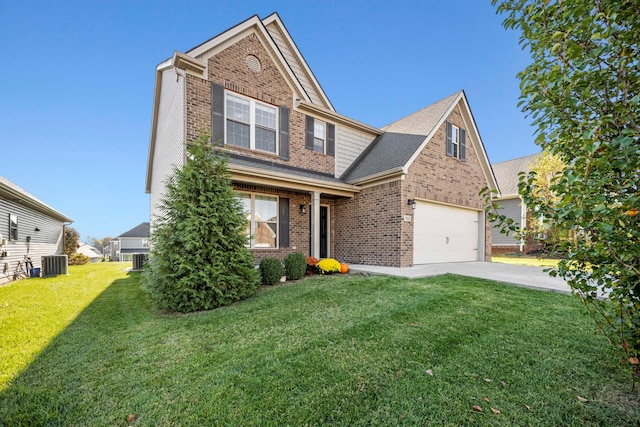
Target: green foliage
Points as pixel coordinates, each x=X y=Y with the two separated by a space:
x=77 y=259
x=328 y=266
x=583 y=91
x=271 y=271
x=295 y=265
x=71 y=241
x=199 y=260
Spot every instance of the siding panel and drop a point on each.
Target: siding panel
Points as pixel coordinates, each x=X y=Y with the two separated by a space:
x=169 y=149
x=511 y=209
x=350 y=144
x=47 y=241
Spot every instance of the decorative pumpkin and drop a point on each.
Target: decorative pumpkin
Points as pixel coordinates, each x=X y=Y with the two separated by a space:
x=344 y=268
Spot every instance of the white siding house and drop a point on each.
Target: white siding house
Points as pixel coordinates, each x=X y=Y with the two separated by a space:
x=28 y=227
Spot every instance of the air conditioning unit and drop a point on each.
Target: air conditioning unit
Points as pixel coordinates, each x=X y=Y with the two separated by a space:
x=139 y=260
x=53 y=265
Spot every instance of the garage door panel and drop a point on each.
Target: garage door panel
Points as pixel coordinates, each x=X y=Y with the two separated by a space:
x=444 y=234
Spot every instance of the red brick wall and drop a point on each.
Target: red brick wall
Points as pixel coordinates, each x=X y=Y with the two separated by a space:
x=435 y=176
x=229 y=69
x=368 y=227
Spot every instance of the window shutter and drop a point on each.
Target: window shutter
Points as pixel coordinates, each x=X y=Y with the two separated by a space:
x=284 y=132
x=331 y=139
x=463 y=145
x=449 y=143
x=217 y=114
x=283 y=222
x=308 y=142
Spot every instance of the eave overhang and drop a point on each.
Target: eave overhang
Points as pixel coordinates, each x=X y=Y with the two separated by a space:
x=256 y=176
x=334 y=117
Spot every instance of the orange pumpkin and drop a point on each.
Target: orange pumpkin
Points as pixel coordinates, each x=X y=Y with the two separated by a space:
x=344 y=268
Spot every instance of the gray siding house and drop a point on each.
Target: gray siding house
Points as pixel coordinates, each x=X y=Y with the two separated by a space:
x=510 y=203
x=28 y=226
x=134 y=241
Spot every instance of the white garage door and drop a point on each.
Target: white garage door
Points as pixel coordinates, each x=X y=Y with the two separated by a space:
x=444 y=234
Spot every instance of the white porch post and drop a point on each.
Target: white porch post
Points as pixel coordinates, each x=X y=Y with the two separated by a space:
x=315 y=224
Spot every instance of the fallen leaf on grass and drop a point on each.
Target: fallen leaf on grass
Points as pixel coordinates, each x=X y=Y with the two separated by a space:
x=528 y=407
x=477 y=408
x=487 y=380
x=582 y=399
x=495 y=411
x=634 y=361
x=131 y=418
x=486 y=399
x=503 y=383
x=429 y=371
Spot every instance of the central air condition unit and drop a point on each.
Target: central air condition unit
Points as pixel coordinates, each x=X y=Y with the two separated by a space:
x=53 y=265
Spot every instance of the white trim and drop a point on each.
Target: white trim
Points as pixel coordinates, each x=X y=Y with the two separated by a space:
x=252 y=122
x=331 y=116
x=275 y=18
x=253 y=222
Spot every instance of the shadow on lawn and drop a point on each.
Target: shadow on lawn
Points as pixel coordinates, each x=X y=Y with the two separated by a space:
x=67 y=376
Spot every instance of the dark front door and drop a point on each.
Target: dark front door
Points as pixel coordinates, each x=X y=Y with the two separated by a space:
x=324 y=233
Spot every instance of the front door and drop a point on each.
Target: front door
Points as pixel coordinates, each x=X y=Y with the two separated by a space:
x=324 y=232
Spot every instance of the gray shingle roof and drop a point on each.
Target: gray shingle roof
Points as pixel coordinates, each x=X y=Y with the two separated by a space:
x=141 y=230
x=387 y=152
x=423 y=121
x=507 y=173
x=235 y=159
x=11 y=191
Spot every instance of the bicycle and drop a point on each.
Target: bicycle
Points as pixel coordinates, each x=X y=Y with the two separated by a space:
x=22 y=269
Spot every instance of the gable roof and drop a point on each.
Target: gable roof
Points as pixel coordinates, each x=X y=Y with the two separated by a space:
x=140 y=230
x=507 y=173
x=387 y=153
x=423 y=121
x=404 y=140
x=10 y=191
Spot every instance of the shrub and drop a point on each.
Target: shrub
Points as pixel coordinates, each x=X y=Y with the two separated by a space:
x=295 y=266
x=328 y=266
x=199 y=259
x=271 y=271
x=78 y=259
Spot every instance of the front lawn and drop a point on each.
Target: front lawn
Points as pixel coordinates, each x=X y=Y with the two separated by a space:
x=88 y=349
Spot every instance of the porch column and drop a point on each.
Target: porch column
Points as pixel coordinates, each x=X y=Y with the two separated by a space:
x=315 y=224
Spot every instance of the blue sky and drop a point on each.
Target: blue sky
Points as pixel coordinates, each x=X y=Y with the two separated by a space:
x=76 y=85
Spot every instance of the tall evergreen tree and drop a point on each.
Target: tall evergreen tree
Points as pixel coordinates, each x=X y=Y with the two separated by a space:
x=199 y=258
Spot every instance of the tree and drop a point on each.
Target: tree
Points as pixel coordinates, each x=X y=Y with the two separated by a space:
x=582 y=90
x=71 y=241
x=199 y=259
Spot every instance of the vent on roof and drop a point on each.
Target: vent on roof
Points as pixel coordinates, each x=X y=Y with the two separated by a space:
x=253 y=63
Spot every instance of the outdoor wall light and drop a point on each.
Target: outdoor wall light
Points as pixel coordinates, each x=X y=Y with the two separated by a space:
x=412 y=203
x=303 y=209
x=37 y=229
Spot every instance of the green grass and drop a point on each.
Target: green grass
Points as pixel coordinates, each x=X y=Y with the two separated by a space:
x=526 y=260
x=336 y=350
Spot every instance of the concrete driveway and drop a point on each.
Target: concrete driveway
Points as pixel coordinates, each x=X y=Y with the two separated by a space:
x=522 y=275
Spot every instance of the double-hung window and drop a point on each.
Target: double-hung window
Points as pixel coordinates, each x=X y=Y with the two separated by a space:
x=261 y=212
x=251 y=124
x=456 y=142
x=319 y=136
x=13 y=227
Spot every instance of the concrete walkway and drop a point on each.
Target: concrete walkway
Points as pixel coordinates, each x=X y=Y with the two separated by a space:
x=522 y=275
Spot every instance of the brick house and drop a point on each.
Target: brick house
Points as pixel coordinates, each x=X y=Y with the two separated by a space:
x=313 y=180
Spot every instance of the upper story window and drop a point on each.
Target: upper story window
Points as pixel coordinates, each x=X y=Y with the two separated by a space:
x=13 y=227
x=319 y=136
x=250 y=124
x=261 y=212
x=145 y=243
x=456 y=142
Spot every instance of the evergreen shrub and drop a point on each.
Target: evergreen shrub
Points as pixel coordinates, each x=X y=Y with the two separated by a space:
x=271 y=271
x=295 y=266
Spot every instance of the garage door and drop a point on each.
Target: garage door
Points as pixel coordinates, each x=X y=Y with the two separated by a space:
x=444 y=234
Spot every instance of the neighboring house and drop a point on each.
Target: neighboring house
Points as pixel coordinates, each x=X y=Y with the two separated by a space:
x=89 y=251
x=134 y=241
x=27 y=226
x=511 y=205
x=313 y=180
